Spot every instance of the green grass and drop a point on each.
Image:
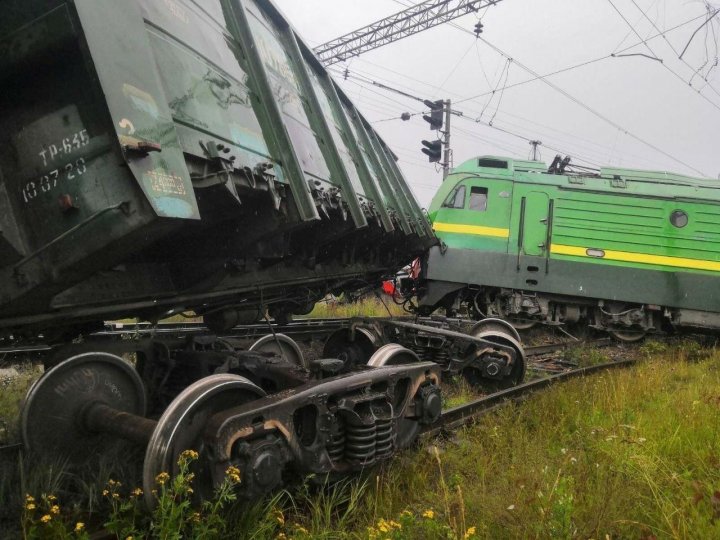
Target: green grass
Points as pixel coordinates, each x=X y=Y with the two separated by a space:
x=367 y=306
x=12 y=393
x=629 y=454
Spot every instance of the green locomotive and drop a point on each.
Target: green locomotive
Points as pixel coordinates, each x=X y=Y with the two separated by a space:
x=625 y=251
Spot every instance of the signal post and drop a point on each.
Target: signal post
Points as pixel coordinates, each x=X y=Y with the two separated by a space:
x=439 y=148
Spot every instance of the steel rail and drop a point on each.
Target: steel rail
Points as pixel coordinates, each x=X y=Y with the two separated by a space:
x=537 y=350
x=461 y=415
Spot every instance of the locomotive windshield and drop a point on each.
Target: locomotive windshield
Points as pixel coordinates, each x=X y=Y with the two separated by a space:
x=456 y=199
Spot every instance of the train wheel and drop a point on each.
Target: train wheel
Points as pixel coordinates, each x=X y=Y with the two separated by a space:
x=353 y=353
x=628 y=336
x=281 y=345
x=521 y=324
x=517 y=373
x=181 y=428
x=491 y=324
x=393 y=354
x=51 y=418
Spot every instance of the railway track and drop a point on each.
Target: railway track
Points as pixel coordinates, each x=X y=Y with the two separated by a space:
x=461 y=415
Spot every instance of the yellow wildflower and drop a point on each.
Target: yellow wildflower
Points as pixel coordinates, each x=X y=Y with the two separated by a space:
x=280 y=517
x=162 y=478
x=55 y=509
x=195 y=517
x=105 y=493
x=281 y=536
x=233 y=473
x=394 y=524
x=406 y=513
x=29 y=498
x=469 y=533
x=115 y=496
x=51 y=498
x=129 y=538
x=46 y=518
x=137 y=492
x=189 y=454
x=429 y=514
x=79 y=526
x=30 y=506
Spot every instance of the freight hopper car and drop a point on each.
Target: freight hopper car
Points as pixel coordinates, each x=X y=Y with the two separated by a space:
x=165 y=155
x=159 y=156
x=624 y=251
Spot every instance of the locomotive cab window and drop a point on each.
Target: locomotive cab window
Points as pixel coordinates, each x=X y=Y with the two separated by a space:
x=478 y=199
x=456 y=199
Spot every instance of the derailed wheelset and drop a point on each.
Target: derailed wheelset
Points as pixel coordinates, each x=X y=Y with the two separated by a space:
x=324 y=422
x=489 y=355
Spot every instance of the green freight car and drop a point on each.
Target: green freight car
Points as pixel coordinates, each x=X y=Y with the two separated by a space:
x=626 y=251
x=164 y=156
x=167 y=155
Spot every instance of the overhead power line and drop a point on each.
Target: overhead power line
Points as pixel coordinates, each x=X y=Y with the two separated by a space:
x=402 y=24
x=581 y=64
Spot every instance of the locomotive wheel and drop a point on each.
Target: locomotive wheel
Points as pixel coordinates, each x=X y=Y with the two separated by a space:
x=352 y=353
x=182 y=425
x=393 y=354
x=517 y=373
x=52 y=414
x=495 y=325
x=521 y=324
x=627 y=336
x=281 y=345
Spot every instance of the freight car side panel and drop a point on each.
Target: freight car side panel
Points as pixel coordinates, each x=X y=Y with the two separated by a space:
x=205 y=86
x=122 y=54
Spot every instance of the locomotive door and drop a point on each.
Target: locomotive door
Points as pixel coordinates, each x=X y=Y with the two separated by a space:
x=535 y=222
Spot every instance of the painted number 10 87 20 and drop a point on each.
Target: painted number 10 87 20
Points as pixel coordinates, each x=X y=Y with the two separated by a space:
x=48 y=182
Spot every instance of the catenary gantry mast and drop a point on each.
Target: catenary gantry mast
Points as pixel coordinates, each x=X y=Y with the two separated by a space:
x=402 y=24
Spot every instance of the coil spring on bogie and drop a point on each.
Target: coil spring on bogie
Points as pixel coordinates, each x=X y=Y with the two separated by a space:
x=383 y=438
x=336 y=445
x=360 y=443
x=442 y=356
x=424 y=352
x=427 y=353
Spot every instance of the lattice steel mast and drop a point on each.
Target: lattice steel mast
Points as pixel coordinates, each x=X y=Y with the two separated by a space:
x=404 y=23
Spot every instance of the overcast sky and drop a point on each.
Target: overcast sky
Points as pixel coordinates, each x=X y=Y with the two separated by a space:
x=629 y=111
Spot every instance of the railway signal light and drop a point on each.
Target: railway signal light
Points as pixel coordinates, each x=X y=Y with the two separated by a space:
x=437 y=109
x=433 y=150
